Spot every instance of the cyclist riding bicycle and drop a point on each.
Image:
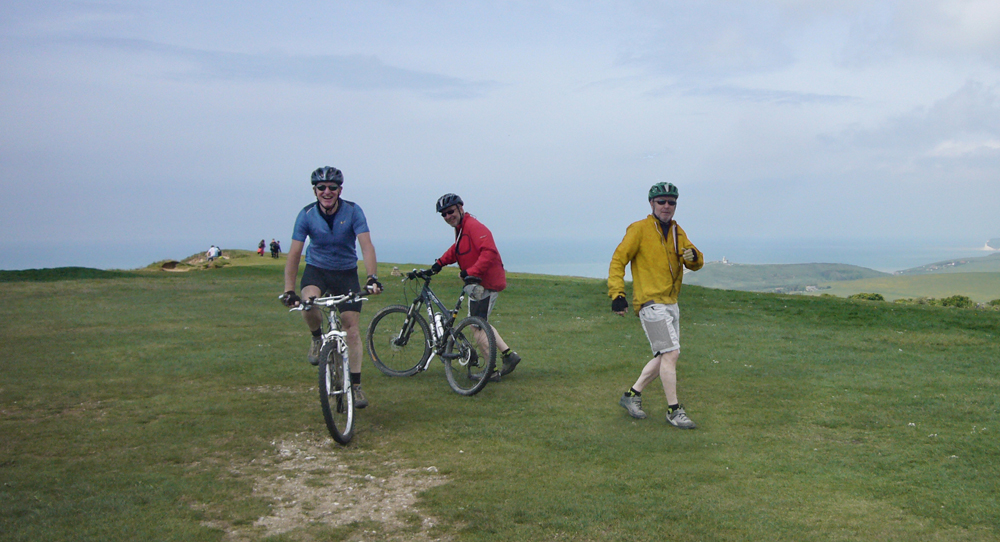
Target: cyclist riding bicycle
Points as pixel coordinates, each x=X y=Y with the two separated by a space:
x=478 y=258
x=332 y=225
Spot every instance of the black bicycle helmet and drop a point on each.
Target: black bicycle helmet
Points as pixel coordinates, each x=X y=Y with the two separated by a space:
x=448 y=200
x=327 y=174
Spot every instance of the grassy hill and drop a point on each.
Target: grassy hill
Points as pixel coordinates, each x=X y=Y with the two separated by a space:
x=771 y=278
x=980 y=287
x=977 y=278
x=154 y=405
x=984 y=264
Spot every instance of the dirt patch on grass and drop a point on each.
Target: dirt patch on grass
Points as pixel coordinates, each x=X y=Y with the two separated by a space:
x=314 y=482
x=175 y=266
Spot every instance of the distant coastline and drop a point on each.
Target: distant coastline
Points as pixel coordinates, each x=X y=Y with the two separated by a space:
x=584 y=258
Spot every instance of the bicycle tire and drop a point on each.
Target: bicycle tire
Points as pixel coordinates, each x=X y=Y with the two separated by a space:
x=467 y=373
x=394 y=349
x=335 y=397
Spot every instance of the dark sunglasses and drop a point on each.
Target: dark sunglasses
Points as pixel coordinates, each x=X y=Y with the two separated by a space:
x=323 y=187
x=449 y=212
x=671 y=202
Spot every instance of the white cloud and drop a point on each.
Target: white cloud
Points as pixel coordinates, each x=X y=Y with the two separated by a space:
x=957 y=149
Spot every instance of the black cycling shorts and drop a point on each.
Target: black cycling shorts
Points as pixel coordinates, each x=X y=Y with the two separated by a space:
x=332 y=282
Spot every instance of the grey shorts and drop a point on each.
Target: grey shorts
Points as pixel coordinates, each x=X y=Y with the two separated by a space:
x=662 y=325
x=481 y=302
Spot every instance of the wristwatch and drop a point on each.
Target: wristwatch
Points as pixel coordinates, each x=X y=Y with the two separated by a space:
x=373 y=277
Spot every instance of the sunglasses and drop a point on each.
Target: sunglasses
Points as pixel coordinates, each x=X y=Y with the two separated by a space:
x=323 y=187
x=671 y=202
x=449 y=212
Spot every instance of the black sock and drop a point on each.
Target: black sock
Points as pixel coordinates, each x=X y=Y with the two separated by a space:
x=318 y=332
x=355 y=379
x=506 y=352
x=633 y=393
x=671 y=408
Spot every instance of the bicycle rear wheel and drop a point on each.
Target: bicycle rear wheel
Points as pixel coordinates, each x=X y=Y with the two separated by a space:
x=335 y=397
x=467 y=363
x=398 y=346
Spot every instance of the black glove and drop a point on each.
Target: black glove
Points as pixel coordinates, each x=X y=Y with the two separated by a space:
x=435 y=267
x=619 y=304
x=290 y=298
x=373 y=281
x=469 y=279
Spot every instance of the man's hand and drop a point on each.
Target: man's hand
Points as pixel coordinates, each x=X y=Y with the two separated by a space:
x=435 y=267
x=373 y=285
x=290 y=299
x=690 y=255
x=469 y=279
x=619 y=305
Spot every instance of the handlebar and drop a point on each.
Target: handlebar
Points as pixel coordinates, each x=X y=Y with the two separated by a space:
x=328 y=301
x=425 y=274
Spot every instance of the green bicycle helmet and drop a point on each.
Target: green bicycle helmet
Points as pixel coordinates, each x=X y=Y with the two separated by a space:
x=662 y=189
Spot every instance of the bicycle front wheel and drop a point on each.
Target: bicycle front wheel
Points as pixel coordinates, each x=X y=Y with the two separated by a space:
x=335 y=397
x=398 y=345
x=470 y=356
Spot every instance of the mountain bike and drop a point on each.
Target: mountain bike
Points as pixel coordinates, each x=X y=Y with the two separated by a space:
x=335 y=397
x=402 y=343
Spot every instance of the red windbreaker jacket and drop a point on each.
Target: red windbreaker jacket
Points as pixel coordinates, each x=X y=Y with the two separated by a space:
x=476 y=254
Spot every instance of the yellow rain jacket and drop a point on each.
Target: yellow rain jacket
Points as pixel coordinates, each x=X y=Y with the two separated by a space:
x=656 y=262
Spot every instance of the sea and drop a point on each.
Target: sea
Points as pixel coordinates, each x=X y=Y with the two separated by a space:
x=567 y=257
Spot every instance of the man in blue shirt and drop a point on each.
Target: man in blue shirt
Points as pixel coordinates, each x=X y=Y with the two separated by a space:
x=332 y=226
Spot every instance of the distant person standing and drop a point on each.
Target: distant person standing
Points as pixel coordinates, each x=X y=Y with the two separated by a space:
x=332 y=225
x=275 y=248
x=478 y=258
x=656 y=247
x=260 y=248
x=213 y=253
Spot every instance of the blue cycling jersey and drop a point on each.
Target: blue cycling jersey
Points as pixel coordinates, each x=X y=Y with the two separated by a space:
x=331 y=242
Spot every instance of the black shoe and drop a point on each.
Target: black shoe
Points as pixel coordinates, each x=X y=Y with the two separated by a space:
x=510 y=362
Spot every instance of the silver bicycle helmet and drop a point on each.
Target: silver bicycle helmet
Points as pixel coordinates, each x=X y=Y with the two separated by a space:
x=327 y=174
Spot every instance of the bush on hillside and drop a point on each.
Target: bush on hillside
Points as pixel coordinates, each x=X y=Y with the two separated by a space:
x=867 y=297
x=994 y=303
x=960 y=301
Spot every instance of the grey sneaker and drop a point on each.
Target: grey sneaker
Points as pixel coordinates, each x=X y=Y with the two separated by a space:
x=314 y=348
x=360 y=401
x=494 y=376
x=633 y=404
x=510 y=362
x=679 y=418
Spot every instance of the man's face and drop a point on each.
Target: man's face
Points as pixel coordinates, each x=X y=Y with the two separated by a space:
x=452 y=215
x=663 y=207
x=327 y=193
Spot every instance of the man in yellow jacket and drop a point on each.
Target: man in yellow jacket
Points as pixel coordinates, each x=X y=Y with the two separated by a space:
x=657 y=248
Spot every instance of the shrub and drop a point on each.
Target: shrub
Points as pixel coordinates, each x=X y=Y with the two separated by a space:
x=960 y=301
x=994 y=303
x=867 y=297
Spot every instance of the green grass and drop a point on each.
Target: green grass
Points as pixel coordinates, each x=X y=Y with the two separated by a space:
x=980 y=287
x=146 y=407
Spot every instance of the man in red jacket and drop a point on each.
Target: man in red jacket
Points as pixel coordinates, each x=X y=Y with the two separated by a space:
x=477 y=256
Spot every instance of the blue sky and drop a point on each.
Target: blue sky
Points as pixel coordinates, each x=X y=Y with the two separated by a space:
x=159 y=122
